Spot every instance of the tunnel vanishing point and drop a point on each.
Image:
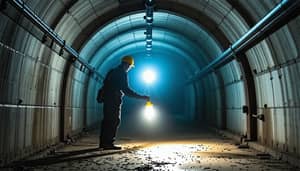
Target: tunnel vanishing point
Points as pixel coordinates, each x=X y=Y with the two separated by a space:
x=232 y=64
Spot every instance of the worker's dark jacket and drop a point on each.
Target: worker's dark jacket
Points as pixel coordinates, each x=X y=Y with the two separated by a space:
x=116 y=85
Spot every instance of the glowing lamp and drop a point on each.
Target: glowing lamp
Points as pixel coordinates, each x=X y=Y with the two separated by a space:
x=149 y=76
x=149 y=112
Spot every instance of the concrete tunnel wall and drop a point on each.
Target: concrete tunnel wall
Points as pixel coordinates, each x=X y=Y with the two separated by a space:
x=45 y=96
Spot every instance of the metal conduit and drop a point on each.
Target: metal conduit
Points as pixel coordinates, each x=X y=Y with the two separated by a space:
x=149 y=21
x=37 y=21
x=247 y=41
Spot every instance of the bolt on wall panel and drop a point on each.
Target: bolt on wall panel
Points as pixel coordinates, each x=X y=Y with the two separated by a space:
x=277 y=89
x=266 y=133
x=264 y=90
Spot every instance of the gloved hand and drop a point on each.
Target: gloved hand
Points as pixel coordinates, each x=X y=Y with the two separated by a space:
x=146 y=98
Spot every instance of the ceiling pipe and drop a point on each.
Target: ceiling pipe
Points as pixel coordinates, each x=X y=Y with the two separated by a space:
x=250 y=39
x=37 y=21
x=149 y=4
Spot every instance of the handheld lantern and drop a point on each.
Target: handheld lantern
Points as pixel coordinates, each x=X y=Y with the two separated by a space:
x=149 y=111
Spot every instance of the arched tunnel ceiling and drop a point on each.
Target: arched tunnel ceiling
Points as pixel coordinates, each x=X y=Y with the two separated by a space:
x=224 y=27
x=60 y=94
x=225 y=21
x=85 y=17
x=170 y=33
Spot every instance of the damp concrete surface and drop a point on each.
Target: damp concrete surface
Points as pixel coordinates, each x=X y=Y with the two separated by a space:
x=205 y=151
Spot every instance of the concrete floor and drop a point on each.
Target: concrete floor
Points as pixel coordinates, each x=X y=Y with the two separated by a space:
x=198 y=150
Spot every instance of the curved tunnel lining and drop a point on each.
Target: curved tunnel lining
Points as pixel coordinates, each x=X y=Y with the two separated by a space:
x=218 y=33
x=165 y=16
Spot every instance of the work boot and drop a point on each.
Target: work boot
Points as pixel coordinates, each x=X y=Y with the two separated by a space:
x=110 y=147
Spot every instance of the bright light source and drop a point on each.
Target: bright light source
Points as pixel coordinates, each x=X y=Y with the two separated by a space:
x=149 y=112
x=149 y=76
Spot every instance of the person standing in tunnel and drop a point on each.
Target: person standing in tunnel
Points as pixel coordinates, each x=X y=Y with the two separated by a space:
x=111 y=94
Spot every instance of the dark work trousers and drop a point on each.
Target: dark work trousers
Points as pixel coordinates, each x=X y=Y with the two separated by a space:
x=111 y=120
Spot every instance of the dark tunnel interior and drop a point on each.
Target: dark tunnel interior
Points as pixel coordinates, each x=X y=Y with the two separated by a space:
x=229 y=66
x=175 y=56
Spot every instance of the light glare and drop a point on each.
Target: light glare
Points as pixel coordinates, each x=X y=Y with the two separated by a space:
x=149 y=76
x=149 y=113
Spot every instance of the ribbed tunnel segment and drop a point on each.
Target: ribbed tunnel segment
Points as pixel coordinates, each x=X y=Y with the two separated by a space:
x=47 y=95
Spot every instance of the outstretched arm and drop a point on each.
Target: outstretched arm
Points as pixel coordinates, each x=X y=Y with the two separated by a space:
x=129 y=92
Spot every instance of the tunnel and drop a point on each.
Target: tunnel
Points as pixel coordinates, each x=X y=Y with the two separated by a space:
x=222 y=67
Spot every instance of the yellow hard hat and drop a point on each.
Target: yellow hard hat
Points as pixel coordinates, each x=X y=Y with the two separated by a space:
x=129 y=60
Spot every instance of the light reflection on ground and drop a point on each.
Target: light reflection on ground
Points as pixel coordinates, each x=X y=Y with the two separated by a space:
x=205 y=153
x=170 y=156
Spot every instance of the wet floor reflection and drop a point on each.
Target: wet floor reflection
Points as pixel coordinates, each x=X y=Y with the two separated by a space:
x=194 y=154
x=197 y=152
